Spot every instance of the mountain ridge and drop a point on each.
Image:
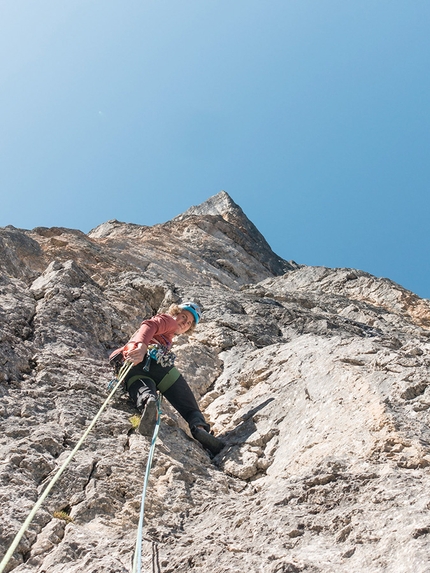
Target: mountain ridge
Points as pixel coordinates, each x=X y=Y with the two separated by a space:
x=317 y=379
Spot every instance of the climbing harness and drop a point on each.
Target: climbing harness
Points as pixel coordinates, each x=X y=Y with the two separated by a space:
x=161 y=354
x=137 y=560
x=121 y=375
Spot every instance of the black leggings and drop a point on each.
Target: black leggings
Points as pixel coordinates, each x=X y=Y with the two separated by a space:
x=141 y=384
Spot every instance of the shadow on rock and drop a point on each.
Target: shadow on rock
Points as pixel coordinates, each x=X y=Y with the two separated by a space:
x=245 y=428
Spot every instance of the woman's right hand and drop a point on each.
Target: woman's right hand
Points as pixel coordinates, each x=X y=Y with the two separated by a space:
x=136 y=353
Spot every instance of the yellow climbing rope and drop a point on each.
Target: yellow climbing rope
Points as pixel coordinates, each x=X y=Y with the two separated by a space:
x=121 y=375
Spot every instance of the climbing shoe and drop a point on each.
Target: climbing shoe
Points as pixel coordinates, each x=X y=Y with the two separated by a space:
x=149 y=417
x=207 y=440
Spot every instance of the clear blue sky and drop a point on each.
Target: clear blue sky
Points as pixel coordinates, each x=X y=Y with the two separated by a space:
x=313 y=116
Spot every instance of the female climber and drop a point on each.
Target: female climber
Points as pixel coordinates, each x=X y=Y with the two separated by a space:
x=150 y=351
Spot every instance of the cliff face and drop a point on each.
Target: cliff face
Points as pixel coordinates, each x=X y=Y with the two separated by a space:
x=317 y=379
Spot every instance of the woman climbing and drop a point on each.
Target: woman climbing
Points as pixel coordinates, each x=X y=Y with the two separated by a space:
x=150 y=351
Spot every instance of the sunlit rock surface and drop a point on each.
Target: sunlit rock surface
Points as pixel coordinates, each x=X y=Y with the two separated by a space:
x=317 y=379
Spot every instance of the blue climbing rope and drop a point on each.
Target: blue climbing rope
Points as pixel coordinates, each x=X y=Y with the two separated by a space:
x=137 y=560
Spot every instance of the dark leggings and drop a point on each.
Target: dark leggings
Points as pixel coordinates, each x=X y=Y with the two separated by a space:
x=141 y=384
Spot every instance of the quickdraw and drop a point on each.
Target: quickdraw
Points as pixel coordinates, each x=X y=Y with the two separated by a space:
x=162 y=355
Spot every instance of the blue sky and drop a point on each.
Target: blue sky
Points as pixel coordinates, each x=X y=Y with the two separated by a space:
x=312 y=115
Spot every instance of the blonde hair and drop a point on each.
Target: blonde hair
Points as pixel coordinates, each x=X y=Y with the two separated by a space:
x=174 y=310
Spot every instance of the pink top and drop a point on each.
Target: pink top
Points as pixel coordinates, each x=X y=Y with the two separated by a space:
x=158 y=329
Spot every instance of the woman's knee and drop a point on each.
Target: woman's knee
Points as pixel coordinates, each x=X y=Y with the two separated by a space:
x=140 y=390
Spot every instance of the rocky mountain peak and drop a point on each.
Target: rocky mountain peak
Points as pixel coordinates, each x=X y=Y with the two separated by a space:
x=242 y=230
x=220 y=204
x=317 y=380
x=216 y=236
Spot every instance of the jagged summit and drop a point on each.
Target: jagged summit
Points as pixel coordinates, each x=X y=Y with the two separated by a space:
x=223 y=205
x=217 y=233
x=246 y=233
x=219 y=204
x=213 y=243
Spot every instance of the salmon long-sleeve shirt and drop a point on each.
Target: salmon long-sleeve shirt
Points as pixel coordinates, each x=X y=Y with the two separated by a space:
x=158 y=329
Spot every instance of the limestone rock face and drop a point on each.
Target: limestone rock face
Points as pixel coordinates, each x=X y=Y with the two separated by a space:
x=317 y=379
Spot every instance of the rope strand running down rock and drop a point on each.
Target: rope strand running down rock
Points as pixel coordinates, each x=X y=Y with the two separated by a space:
x=137 y=561
x=122 y=374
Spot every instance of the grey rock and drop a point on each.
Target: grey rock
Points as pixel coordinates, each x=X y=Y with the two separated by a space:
x=317 y=380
